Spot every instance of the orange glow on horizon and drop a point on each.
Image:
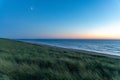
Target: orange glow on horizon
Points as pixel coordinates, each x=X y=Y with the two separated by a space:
x=87 y=37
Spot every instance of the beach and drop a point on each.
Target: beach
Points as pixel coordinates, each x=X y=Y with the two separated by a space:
x=28 y=61
x=83 y=51
x=73 y=45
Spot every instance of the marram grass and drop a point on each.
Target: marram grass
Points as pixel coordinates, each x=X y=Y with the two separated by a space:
x=24 y=61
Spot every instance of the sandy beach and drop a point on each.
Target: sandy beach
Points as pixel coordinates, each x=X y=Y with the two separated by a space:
x=83 y=51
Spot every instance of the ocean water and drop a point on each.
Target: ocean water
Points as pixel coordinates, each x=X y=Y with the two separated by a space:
x=101 y=46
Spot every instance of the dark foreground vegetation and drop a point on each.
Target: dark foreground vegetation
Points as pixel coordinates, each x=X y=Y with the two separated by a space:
x=24 y=61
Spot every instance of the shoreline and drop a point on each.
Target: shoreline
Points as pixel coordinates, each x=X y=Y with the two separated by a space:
x=77 y=50
x=87 y=52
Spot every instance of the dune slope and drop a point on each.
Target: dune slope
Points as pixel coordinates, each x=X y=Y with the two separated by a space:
x=24 y=61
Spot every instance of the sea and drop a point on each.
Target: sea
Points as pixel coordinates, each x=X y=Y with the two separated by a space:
x=101 y=46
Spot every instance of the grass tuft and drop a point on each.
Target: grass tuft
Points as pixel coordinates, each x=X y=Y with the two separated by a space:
x=24 y=61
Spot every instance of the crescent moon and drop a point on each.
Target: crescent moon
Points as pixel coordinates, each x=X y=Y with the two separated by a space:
x=31 y=8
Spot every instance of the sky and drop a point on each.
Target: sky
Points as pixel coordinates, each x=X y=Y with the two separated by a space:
x=81 y=19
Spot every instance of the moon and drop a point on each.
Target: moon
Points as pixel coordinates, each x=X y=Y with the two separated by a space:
x=31 y=8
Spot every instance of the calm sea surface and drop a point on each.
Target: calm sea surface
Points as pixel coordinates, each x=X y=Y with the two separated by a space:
x=102 y=46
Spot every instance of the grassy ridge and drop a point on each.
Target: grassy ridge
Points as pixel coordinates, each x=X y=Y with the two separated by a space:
x=23 y=61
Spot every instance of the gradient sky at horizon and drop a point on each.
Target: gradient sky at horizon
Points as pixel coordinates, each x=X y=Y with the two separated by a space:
x=89 y=19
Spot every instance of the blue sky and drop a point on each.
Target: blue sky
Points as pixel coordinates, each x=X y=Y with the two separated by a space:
x=60 y=18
